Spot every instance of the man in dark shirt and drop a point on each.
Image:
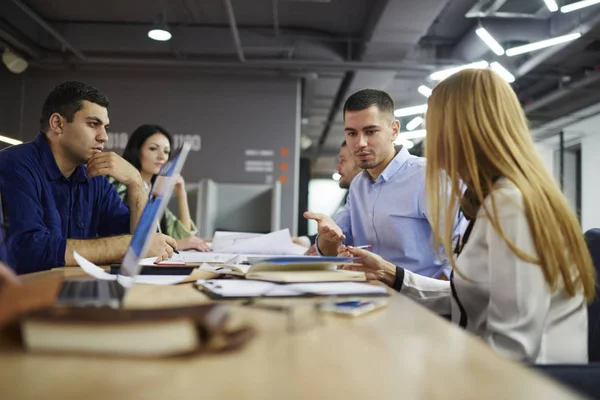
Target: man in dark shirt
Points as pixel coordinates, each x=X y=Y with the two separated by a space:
x=54 y=204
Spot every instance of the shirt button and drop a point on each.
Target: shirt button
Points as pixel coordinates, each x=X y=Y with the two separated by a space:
x=370 y=215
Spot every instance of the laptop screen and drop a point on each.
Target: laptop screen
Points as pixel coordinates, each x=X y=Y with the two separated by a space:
x=157 y=201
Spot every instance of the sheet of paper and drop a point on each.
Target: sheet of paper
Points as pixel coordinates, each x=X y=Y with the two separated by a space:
x=245 y=288
x=225 y=269
x=338 y=288
x=276 y=243
x=96 y=272
x=223 y=240
x=250 y=288
x=92 y=269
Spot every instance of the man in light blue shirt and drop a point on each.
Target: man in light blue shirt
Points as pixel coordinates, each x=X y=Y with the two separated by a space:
x=386 y=203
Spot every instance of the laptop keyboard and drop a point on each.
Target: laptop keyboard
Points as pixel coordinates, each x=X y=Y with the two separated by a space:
x=90 y=292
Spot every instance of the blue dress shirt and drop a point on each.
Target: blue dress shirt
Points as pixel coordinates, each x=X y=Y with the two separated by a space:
x=43 y=208
x=390 y=215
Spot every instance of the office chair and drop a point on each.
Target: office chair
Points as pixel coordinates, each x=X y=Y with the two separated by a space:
x=584 y=378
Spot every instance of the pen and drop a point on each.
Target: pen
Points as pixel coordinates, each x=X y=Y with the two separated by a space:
x=366 y=246
x=177 y=251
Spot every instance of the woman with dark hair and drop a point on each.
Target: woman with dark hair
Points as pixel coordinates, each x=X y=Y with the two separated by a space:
x=148 y=149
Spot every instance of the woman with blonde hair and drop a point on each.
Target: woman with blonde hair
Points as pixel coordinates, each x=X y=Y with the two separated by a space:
x=521 y=271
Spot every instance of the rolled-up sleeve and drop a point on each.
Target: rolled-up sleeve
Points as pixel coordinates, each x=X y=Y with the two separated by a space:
x=31 y=246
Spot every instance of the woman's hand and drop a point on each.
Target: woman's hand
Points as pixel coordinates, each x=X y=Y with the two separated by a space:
x=374 y=267
x=179 y=184
x=192 y=243
x=7 y=277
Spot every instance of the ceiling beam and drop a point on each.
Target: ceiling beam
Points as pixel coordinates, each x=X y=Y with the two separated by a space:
x=42 y=23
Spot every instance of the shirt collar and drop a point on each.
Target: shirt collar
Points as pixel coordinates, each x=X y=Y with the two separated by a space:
x=49 y=163
x=394 y=166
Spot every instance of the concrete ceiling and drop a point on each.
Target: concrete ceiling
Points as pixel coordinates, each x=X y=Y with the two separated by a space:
x=335 y=46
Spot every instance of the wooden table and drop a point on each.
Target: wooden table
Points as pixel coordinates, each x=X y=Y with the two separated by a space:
x=401 y=352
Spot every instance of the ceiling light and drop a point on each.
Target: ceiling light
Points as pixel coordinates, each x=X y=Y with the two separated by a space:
x=503 y=72
x=424 y=90
x=490 y=41
x=551 y=4
x=577 y=6
x=160 y=30
x=414 y=110
x=162 y=35
x=414 y=123
x=14 y=63
x=542 y=44
x=443 y=74
x=411 y=135
x=336 y=176
x=8 y=140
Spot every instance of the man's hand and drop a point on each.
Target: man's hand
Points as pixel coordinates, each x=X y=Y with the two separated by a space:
x=192 y=243
x=7 y=277
x=374 y=267
x=112 y=164
x=161 y=247
x=326 y=227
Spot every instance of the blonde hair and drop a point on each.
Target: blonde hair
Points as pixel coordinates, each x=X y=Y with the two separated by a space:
x=476 y=128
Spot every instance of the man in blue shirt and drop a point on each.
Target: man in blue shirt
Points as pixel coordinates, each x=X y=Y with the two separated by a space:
x=54 y=204
x=386 y=203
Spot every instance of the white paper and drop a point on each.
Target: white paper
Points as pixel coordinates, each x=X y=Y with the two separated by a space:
x=250 y=288
x=338 y=288
x=244 y=288
x=92 y=269
x=274 y=243
x=223 y=240
x=98 y=273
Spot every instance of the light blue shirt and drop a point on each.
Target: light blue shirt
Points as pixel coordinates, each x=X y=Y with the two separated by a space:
x=390 y=215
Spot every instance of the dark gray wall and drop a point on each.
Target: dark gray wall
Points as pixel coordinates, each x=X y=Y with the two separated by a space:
x=231 y=114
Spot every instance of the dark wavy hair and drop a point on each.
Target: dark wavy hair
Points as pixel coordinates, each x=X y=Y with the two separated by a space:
x=132 y=152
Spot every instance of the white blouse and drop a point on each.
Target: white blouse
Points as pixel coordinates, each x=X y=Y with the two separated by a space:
x=507 y=303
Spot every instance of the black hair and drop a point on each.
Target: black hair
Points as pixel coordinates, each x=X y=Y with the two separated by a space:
x=67 y=98
x=133 y=149
x=366 y=98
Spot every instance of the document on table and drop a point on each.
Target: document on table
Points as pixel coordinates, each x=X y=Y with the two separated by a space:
x=274 y=243
x=98 y=273
x=250 y=288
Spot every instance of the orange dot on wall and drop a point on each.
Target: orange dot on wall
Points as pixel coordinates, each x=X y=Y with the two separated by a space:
x=283 y=166
x=283 y=179
x=284 y=151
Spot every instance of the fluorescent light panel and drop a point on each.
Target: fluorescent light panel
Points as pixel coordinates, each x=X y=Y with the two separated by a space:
x=489 y=40
x=414 y=110
x=443 y=74
x=578 y=6
x=527 y=48
x=551 y=4
x=414 y=123
x=8 y=140
x=411 y=135
x=424 y=90
x=336 y=176
x=503 y=72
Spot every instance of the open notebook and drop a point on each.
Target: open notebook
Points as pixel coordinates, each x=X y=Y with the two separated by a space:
x=289 y=269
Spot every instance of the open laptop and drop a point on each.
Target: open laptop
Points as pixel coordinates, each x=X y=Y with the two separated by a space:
x=104 y=293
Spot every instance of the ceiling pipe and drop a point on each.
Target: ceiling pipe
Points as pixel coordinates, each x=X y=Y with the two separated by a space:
x=560 y=93
x=41 y=22
x=403 y=69
x=234 y=31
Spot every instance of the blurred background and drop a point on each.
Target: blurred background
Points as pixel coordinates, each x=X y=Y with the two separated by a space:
x=257 y=85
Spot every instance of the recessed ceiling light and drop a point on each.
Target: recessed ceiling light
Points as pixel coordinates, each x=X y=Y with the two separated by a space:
x=162 y=35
